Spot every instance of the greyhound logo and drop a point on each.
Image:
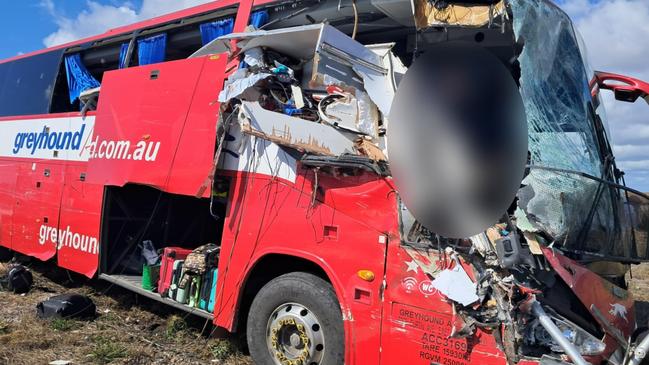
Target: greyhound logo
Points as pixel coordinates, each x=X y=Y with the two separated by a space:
x=618 y=310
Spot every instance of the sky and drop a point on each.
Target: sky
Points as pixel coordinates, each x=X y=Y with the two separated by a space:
x=616 y=33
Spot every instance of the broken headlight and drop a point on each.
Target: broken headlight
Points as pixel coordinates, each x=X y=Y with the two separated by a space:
x=586 y=343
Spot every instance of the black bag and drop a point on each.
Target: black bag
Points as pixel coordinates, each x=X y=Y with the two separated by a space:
x=18 y=280
x=66 y=306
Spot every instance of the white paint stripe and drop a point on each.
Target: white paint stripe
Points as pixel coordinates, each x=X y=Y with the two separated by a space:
x=47 y=138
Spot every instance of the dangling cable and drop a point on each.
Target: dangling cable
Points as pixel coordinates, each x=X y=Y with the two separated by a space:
x=355 y=19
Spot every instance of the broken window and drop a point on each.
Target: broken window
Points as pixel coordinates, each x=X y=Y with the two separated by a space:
x=570 y=192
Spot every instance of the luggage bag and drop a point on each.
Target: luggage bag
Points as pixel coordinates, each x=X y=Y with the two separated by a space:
x=195 y=291
x=150 y=277
x=207 y=283
x=66 y=306
x=169 y=256
x=175 y=291
x=208 y=290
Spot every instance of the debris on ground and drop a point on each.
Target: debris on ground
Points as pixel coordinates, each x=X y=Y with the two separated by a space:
x=17 y=279
x=128 y=329
x=66 y=306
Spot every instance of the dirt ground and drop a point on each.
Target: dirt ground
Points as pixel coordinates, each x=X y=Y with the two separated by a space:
x=129 y=329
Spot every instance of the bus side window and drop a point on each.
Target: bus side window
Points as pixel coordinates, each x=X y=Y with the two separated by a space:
x=96 y=60
x=27 y=83
x=61 y=94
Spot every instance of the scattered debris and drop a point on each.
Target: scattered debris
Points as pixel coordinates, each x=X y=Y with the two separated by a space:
x=66 y=306
x=456 y=285
x=60 y=362
x=18 y=279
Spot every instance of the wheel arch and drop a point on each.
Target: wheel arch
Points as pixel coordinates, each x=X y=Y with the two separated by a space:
x=272 y=265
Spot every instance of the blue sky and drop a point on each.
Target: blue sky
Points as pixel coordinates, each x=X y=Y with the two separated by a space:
x=13 y=18
x=16 y=37
x=616 y=33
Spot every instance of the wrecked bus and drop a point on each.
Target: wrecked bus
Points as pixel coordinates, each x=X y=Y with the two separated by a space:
x=263 y=127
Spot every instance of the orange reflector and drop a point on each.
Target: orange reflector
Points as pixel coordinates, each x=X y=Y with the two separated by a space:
x=366 y=275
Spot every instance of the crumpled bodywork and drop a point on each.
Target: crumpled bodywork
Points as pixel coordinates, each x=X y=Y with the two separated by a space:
x=531 y=287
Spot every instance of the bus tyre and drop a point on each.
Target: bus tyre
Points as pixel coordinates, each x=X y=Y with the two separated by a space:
x=296 y=319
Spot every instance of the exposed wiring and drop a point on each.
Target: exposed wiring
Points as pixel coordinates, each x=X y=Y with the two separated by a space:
x=277 y=98
x=314 y=193
x=355 y=19
x=217 y=159
x=322 y=105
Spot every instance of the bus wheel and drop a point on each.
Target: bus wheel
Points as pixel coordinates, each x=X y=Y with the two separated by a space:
x=296 y=319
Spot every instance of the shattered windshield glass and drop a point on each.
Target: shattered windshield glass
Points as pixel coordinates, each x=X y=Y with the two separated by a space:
x=570 y=193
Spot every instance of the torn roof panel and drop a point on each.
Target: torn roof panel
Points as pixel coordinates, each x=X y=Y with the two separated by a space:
x=428 y=14
x=301 y=42
x=298 y=42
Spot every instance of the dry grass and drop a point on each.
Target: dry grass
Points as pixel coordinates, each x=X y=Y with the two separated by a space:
x=128 y=330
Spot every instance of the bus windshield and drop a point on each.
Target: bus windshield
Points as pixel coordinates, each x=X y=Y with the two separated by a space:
x=573 y=193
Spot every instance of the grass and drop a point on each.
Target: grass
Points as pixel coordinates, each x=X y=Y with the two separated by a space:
x=4 y=327
x=175 y=326
x=107 y=350
x=63 y=325
x=129 y=330
x=223 y=349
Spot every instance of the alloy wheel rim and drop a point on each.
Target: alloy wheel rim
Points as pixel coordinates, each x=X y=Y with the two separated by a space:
x=294 y=336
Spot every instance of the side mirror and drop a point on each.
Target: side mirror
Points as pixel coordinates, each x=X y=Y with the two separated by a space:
x=625 y=88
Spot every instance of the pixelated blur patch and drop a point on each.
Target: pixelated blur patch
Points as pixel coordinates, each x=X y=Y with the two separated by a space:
x=457 y=139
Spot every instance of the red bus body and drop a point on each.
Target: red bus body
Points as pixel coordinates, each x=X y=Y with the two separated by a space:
x=160 y=132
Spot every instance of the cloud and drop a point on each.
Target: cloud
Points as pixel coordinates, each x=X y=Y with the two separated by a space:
x=97 y=18
x=576 y=8
x=640 y=165
x=48 y=5
x=616 y=34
